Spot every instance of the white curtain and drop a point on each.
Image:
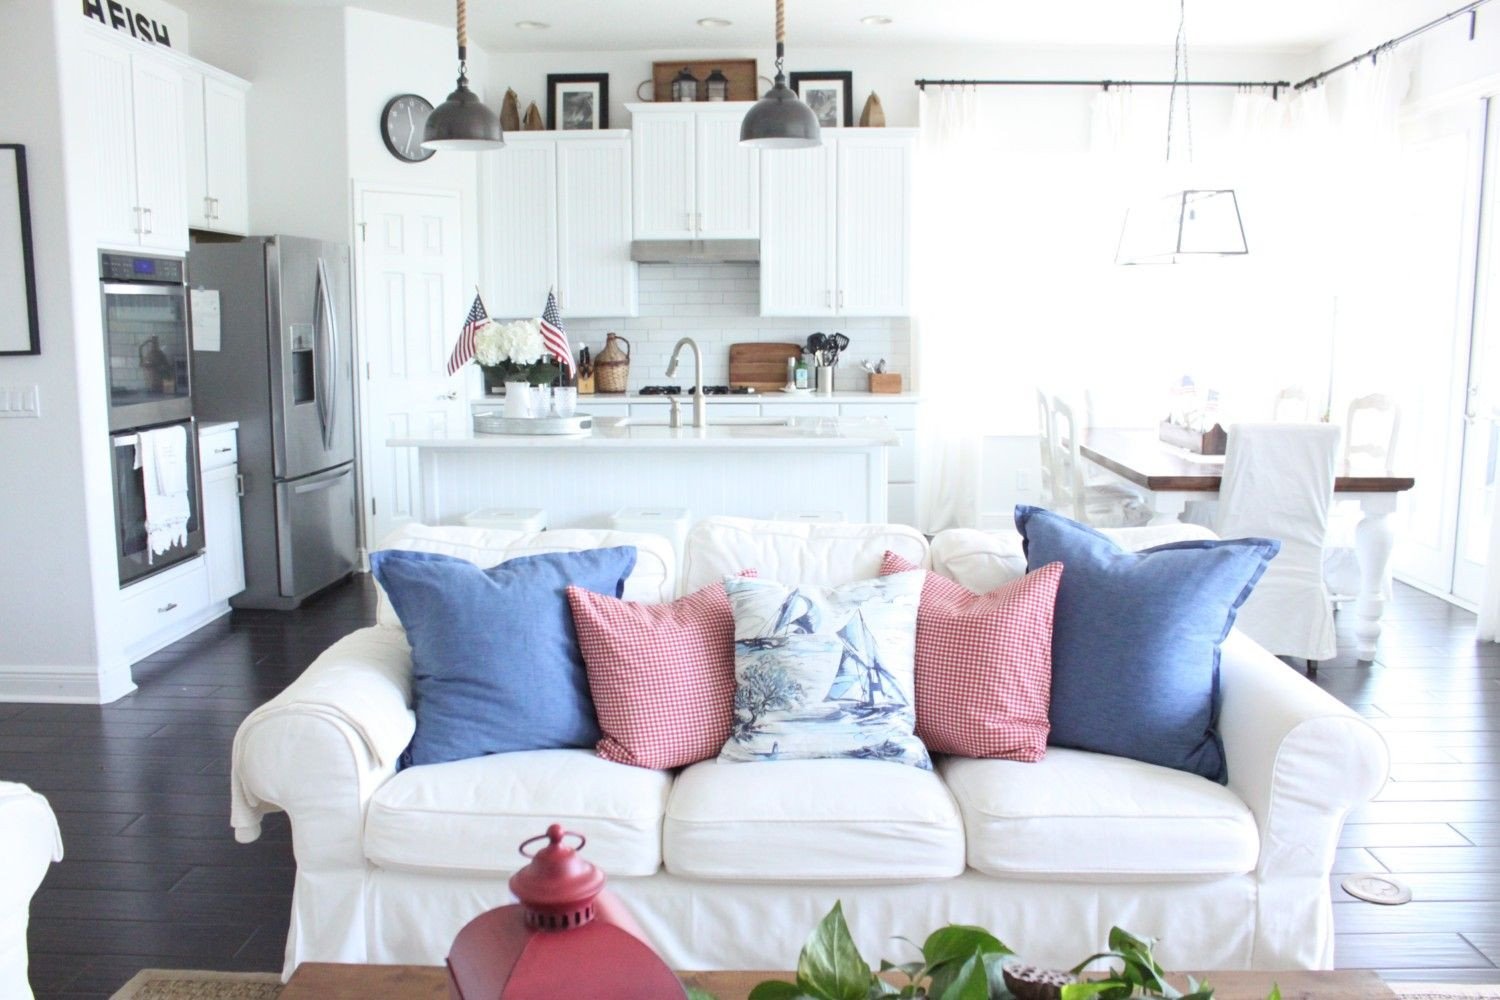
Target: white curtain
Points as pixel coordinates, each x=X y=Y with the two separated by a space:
x=951 y=287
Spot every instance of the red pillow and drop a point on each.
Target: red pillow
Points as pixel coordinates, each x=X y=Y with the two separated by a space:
x=662 y=675
x=984 y=664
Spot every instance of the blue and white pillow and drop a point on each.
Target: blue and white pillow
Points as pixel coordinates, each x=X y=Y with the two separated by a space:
x=825 y=671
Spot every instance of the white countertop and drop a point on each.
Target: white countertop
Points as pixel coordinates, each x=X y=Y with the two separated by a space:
x=615 y=398
x=728 y=433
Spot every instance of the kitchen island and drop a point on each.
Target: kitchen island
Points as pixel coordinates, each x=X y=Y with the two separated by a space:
x=744 y=466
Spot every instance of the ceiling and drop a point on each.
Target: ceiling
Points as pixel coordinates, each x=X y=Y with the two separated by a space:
x=605 y=25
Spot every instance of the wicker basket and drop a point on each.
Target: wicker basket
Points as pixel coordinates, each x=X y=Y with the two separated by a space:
x=612 y=366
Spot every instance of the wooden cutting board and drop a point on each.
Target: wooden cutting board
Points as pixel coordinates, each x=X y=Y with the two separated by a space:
x=761 y=366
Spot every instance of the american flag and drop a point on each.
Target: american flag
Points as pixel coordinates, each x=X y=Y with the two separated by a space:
x=553 y=336
x=463 y=351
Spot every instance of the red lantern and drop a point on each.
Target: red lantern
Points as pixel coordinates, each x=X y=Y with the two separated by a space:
x=566 y=937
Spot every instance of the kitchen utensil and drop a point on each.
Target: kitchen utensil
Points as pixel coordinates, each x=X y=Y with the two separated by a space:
x=880 y=366
x=840 y=344
x=825 y=380
x=816 y=344
x=868 y=366
x=761 y=367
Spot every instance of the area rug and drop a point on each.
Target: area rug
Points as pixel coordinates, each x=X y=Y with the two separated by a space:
x=1443 y=991
x=187 y=984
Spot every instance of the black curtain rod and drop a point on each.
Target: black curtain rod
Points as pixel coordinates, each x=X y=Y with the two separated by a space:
x=1470 y=9
x=1274 y=85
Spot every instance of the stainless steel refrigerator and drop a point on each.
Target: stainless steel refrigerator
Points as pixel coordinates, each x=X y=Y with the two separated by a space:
x=282 y=368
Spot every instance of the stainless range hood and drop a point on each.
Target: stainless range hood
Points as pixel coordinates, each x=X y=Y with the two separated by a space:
x=695 y=251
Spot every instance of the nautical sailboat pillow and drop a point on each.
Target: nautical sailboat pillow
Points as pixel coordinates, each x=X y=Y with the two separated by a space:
x=825 y=671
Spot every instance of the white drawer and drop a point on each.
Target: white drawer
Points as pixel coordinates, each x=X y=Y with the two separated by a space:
x=901 y=502
x=902 y=416
x=162 y=602
x=217 y=449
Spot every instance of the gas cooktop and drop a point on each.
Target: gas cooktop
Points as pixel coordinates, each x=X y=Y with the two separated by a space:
x=708 y=390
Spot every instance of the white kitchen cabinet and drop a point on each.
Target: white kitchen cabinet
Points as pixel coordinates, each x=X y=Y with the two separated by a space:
x=693 y=179
x=835 y=226
x=223 y=538
x=217 y=178
x=132 y=128
x=595 y=275
x=558 y=213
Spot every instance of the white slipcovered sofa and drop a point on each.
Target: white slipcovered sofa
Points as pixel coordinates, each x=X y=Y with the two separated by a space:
x=29 y=843
x=730 y=865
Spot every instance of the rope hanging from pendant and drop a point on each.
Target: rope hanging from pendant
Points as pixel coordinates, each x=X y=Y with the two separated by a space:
x=463 y=34
x=1180 y=74
x=780 y=34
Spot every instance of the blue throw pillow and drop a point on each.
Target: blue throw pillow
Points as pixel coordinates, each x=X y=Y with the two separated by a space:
x=1135 y=639
x=495 y=660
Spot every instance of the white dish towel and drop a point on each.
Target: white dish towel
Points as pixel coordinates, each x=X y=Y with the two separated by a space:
x=162 y=458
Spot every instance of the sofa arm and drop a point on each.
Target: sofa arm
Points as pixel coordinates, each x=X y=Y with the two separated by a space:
x=1301 y=761
x=320 y=748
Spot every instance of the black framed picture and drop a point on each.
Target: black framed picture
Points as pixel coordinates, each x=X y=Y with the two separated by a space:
x=19 y=329
x=830 y=94
x=577 y=101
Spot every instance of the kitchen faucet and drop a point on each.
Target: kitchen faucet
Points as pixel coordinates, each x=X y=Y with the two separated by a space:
x=700 y=401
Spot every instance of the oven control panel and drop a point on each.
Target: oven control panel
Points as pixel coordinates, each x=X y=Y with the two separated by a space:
x=134 y=267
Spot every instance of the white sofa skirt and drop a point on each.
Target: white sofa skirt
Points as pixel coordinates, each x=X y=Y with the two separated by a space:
x=696 y=924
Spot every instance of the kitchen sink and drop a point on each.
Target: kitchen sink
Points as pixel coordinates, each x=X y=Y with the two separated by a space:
x=714 y=420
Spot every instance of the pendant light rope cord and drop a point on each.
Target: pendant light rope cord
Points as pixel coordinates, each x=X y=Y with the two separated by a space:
x=1180 y=75
x=463 y=30
x=780 y=21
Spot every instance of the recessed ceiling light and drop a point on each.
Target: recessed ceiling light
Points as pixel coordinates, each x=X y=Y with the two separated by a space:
x=713 y=22
x=877 y=20
x=532 y=25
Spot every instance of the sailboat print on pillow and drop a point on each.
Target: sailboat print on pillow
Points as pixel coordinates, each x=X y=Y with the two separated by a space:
x=825 y=671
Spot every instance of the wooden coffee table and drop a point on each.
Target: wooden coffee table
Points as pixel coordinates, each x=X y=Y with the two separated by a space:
x=325 y=981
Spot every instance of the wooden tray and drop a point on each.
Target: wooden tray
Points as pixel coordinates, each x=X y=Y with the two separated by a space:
x=1210 y=442
x=744 y=80
x=760 y=366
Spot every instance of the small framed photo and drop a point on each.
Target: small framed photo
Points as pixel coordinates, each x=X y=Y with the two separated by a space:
x=577 y=101
x=830 y=94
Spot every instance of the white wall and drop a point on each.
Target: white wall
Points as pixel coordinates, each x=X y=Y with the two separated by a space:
x=1443 y=60
x=58 y=598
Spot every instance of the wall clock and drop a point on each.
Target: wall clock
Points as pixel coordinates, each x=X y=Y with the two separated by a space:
x=401 y=125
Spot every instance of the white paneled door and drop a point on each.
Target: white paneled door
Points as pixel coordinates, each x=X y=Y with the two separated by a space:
x=664 y=199
x=874 y=224
x=595 y=276
x=412 y=304
x=728 y=182
x=797 y=242
x=160 y=154
x=521 y=230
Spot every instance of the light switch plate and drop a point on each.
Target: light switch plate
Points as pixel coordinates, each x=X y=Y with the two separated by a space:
x=20 y=401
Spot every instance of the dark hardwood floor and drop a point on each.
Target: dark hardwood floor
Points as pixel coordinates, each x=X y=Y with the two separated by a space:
x=153 y=877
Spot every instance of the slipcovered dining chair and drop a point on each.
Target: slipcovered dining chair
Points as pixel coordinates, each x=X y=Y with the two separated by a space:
x=1103 y=504
x=1278 y=483
x=1047 y=439
x=1370 y=434
x=29 y=843
x=1291 y=406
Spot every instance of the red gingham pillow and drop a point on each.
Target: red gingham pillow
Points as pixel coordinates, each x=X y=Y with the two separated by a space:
x=662 y=675
x=984 y=664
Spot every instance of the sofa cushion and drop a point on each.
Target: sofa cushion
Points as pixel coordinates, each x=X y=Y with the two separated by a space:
x=984 y=664
x=825 y=671
x=653 y=579
x=1092 y=816
x=812 y=821
x=495 y=660
x=662 y=675
x=984 y=560
x=1135 y=639
x=472 y=815
x=794 y=553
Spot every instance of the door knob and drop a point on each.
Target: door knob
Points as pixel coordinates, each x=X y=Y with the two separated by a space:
x=450 y=394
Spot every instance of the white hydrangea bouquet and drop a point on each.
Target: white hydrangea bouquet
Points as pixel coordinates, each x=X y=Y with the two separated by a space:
x=515 y=351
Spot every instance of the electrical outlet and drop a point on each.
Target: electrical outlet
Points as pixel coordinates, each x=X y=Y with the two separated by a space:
x=20 y=401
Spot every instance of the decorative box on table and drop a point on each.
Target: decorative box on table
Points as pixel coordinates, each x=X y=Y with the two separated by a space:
x=1210 y=442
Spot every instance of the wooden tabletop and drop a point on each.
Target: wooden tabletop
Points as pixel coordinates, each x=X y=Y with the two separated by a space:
x=325 y=981
x=1140 y=457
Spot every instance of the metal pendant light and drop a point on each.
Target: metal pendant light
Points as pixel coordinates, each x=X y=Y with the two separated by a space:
x=780 y=120
x=462 y=122
x=1189 y=223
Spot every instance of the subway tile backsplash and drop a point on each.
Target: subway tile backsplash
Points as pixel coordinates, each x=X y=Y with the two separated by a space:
x=718 y=305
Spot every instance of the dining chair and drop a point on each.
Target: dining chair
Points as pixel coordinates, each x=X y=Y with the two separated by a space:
x=1371 y=430
x=1047 y=439
x=1278 y=483
x=1290 y=406
x=1101 y=504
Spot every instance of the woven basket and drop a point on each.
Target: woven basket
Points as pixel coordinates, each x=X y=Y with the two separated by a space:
x=612 y=366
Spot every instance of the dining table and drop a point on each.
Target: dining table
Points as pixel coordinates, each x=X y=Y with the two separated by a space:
x=1172 y=477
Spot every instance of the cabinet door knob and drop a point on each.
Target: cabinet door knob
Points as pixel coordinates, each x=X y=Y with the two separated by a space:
x=149 y=229
x=221 y=451
x=828 y=298
x=169 y=607
x=139 y=225
x=841 y=298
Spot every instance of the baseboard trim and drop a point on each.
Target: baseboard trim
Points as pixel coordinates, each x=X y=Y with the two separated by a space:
x=68 y=687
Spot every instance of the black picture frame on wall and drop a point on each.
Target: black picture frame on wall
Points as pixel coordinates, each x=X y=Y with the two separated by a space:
x=577 y=101
x=826 y=92
x=20 y=332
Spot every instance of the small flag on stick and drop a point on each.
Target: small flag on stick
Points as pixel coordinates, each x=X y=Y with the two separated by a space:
x=554 y=337
x=463 y=351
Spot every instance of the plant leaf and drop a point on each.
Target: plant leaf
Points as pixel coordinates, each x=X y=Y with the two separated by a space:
x=830 y=966
x=1084 y=991
x=775 y=989
x=1275 y=993
x=957 y=942
x=694 y=993
x=970 y=983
